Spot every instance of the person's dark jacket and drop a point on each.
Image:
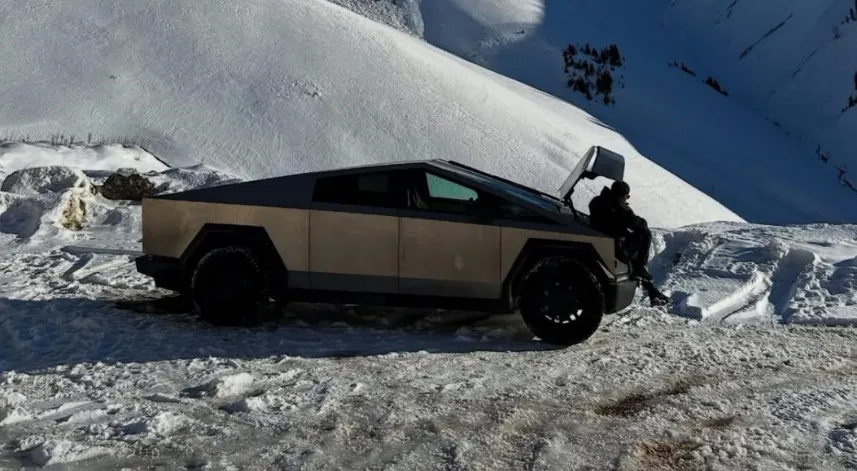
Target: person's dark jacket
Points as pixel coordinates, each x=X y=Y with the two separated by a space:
x=612 y=216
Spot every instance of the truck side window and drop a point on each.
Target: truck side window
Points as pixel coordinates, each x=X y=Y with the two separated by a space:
x=379 y=189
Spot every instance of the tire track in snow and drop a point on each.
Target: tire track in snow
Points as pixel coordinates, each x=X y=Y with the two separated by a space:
x=785 y=280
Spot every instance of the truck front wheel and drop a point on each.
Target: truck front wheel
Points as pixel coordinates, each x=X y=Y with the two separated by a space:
x=561 y=301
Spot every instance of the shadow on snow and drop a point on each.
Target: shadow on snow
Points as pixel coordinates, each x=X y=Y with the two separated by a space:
x=48 y=333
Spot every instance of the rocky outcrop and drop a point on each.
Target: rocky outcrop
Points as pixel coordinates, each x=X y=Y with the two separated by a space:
x=127 y=185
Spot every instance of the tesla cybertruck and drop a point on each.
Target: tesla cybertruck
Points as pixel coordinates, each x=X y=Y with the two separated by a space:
x=432 y=233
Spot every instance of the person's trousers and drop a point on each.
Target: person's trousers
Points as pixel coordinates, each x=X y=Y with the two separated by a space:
x=637 y=246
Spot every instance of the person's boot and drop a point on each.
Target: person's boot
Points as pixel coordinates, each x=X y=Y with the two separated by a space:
x=656 y=298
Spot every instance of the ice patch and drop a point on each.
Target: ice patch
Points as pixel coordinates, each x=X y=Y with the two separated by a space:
x=85 y=416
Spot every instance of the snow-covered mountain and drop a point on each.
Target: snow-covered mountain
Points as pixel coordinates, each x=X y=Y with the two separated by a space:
x=764 y=131
x=794 y=62
x=272 y=87
x=98 y=371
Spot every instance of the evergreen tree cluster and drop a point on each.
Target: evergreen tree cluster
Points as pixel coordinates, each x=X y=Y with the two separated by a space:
x=590 y=70
x=852 y=14
x=711 y=82
x=683 y=68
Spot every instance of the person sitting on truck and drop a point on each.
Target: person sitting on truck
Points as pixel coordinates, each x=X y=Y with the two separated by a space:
x=610 y=213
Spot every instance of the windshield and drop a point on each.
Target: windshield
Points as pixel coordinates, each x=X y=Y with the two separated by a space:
x=544 y=201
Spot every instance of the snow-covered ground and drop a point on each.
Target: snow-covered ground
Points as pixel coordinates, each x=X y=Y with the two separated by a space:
x=99 y=370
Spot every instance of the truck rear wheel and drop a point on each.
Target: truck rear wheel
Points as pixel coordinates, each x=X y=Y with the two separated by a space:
x=561 y=301
x=230 y=286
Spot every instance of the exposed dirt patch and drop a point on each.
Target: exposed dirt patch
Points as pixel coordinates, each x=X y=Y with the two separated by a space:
x=74 y=213
x=668 y=456
x=635 y=403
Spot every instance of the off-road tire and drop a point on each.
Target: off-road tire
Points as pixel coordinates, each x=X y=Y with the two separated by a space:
x=230 y=286
x=551 y=295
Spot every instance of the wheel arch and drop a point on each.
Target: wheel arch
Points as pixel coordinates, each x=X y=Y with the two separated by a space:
x=212 y=235
x=536 y=249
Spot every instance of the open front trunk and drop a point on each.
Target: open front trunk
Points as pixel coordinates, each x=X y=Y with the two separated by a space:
x=597 y=162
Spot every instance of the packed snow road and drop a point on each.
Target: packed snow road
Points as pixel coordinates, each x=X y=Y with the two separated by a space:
x=648 y=391
x=97 y=377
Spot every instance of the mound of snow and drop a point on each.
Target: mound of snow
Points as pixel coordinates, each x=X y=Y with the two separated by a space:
x=160 y=425
x=48 y=205
x=11 y=398
x=283 y=86
x=224 y=386
x=18 y=155
x=54 y=452
x=188 y=178
x=36 y=180
x=13 y=414
x=802 y=274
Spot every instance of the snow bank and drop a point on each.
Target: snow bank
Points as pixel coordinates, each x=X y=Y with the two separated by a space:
x=800 y=275
x=49 y=193
x=36 y=180
x=15 y=155
x=275 y=87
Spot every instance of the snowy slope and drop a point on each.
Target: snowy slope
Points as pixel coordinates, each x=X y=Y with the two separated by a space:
x=726 y=146
x=272 y=87
x=793 y=61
